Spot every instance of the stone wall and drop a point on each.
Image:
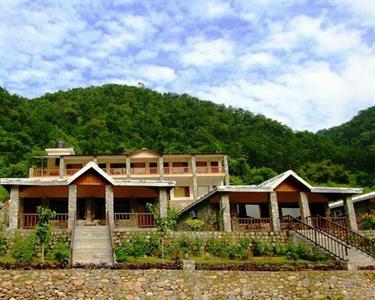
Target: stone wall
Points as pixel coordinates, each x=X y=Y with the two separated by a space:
x=267 y=237
x=178 y=284
x=207 y=212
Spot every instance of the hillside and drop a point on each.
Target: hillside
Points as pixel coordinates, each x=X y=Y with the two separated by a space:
x=116 y=119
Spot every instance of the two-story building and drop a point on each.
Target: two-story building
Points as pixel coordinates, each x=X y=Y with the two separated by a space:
x=91 y=189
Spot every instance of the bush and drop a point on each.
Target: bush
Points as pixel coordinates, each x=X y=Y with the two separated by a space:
x=3 y=244
x=23 y=248
x=228 y=249
x=61 y=251
x=195 y=224
x=262 y=249
x=137 y=246
x=368 y=222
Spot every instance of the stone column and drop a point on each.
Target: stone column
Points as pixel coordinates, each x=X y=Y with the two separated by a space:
x=72 y=205
x=195 y=181
x=95 y=159
x=274 y=212
x=350 y=213
x=61 y=168
x=226 y=170
x=108 y=168
x=128 y=167
x=304 y=206
x=14 y=207
x=109 y=204
x=225 y=210
x=31 y=172
x=163 y=202
x=161 y=168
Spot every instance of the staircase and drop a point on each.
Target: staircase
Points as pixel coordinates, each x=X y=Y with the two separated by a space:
x=356 y=251
x=92 y=245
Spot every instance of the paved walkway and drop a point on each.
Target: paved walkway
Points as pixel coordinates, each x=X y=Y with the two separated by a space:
x=172 y=284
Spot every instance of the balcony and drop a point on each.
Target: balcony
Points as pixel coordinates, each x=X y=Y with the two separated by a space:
x=210 y=170
x=70 y=172
x=144 y=171
x=135 y=220
x=29 y=221
x=251 y=224
x=45 y=172
x=177 y=170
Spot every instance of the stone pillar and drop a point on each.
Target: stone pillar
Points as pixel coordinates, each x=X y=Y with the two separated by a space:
x=163 y=202
x=350 y=213
x=95 y=159
x=128 y=167
x=327 y=211
x=161 y=167
x=14 y=207
x=108 y=168
x=274 y=212
x=109 y=204
x=31 y=172
x=61 y=168
x=72 y=205
x=195 y=181
x=226 y=170
x=304 y=206
x=225 y=211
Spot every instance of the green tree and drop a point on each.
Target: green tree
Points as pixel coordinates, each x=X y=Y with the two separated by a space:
x=42 y=228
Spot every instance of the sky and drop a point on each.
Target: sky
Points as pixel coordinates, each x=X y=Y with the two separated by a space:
x=308 y=64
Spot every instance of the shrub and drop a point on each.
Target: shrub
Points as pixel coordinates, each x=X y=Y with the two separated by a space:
x=216 y=247
x=368 y=221
x=137 y=246
x=3 y=244
x=23 y=248
x=195 y=224
x=228 y=249
x=262 y=249
x=61 y=251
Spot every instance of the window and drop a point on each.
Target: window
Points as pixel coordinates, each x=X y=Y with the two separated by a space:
x=57 y=162
x=248 y=211
x=177 y=164
x=181 y=191
x=291 y=211
x=193 y=214
x=201 y=164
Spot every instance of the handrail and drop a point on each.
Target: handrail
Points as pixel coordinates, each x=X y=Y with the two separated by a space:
x=263 y=224
x=345 y=234
x=318 y=237
x=72 y=241
x=111 y=237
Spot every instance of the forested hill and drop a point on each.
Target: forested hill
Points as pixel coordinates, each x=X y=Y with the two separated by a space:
x=116 y=119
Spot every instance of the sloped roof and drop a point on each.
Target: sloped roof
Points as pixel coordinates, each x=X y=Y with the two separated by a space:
x=275 y=181
x=95 y=167
x=359 y=198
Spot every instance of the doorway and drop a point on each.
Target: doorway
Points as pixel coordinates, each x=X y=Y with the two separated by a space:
x=91 y=211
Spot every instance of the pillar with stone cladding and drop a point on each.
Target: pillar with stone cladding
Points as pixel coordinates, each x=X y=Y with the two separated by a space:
x=72 y=205
x=14 y=207
x=161 y=167
x=225 y=212
x=304 y=206
x=163 y=202
x=274 y=212
x=109 y=205
x=226 y=170
x=350 y=213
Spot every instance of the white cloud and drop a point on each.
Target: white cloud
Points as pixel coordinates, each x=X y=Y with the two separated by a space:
x=258 y=59
x=157 y=73
x=201 y=52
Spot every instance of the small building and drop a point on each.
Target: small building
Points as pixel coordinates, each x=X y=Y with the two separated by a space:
x=263 y=206
x=363 y=204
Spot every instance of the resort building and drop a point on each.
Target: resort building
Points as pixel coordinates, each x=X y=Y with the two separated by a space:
x=92 y=189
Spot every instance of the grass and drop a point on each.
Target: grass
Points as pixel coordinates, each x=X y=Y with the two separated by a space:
x=9 y=259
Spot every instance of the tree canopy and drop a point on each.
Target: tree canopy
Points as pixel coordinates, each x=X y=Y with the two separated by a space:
x=118 y=118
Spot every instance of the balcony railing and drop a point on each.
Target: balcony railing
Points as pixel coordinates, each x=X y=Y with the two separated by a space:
x=251 y=224
x=117 y=171
x=177 y=170
x=140 y=220
x=70 y=172
x=144 y=171
x=29 y=221
x=45 y=172
x=210 y=170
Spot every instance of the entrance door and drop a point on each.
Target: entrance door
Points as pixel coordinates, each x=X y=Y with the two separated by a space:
x=81 y=209
x=99 y=209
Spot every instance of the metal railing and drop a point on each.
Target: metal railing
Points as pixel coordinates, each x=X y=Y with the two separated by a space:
x=45 y=172
x=318 y=237
x=139 y=220
x=110 y=228
x=345 y=234
x=29 y=221
x=312 y=220
x=250 y=224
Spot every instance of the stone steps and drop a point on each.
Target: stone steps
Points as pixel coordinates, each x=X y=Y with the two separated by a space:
x=92 y=245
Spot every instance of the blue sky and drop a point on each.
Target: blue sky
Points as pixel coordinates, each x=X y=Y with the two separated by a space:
x=307 y=64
